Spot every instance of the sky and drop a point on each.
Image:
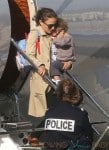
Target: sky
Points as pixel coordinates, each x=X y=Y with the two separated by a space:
x=4 y=8
x=65 y=5
x=74 y=4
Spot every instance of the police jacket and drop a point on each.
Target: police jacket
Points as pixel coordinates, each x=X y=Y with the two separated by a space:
x=65 y=123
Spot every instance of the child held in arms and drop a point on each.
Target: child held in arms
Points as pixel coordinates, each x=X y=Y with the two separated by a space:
x=63 y=51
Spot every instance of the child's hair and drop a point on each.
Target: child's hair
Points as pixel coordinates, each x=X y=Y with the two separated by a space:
x=62 y=25
x=68 y=91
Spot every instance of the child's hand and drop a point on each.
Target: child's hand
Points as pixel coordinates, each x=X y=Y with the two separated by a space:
x=61 y=34
x=67 y=65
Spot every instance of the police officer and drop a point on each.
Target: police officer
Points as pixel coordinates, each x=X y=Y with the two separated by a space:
x=66 y=125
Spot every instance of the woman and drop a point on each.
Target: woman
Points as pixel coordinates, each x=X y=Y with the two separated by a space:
x=66 y=125
x=46 y=20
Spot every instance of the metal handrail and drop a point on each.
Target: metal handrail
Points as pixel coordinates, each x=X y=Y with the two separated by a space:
x=46 y=76
x=53 y=85
x=67 y=73
x=87 y=94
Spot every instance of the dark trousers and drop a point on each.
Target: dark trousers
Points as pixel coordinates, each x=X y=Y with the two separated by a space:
x=56 y=68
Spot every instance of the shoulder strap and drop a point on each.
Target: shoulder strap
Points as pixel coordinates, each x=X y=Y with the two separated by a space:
x=38 y=43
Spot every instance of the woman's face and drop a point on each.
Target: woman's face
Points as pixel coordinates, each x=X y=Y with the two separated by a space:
x=49 y=25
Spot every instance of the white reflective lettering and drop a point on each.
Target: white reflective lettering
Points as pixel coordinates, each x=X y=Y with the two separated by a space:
x=53 y=124
x=65 y=125
x=47 y=123
x=60 y=124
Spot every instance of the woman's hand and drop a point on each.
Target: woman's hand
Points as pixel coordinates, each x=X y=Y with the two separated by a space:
x=42 y=70
x=67 y=65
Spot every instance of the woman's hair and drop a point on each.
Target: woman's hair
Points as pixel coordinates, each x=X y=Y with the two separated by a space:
x=45 y=13
x=62 y=25
x=68 y=91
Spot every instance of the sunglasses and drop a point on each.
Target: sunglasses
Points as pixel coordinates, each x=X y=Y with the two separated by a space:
x=50 y=25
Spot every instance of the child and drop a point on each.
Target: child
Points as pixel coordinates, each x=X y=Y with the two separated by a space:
x=65 y=50
x=20 y=60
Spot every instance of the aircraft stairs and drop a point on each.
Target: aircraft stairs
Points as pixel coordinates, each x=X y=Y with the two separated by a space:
x=98 y=115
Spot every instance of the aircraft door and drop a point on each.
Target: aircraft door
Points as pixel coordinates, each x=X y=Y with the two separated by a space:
x=5 y=34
